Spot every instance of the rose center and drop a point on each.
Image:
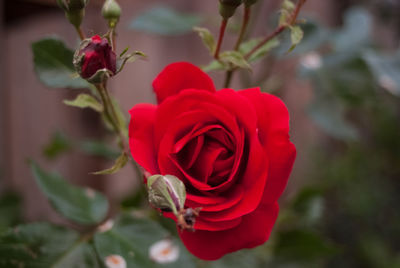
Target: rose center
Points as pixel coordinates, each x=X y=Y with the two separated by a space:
x=208 y=157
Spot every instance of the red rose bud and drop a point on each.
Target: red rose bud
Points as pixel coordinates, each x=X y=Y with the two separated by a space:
x=111 y=11
x=228 y=7
x=94 y=60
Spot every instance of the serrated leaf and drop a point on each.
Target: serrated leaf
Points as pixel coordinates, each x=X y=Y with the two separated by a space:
x=215 y=65
x=165 y=21
x=40 y=245
x=296 y=35
x=131 y=238
x=53 y=64
x=207 y=38
x=119 y=163
x=85 y=101
x=84 y=206
x=235 y=59
x=261 y=52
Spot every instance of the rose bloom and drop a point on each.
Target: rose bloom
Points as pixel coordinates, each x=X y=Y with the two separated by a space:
x=230 y=148
x=98 y=55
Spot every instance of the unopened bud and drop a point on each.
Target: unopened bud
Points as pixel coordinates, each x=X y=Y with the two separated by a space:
x=228 y=7
x=74 y=10
x=94 y=60
x=248 y=3
x=167 y=193
x=111 y=11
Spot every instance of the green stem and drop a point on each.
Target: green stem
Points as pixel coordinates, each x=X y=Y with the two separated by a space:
x=80 y=32
x=111 y=114
x=246 y=18
x=279 y=29
x=245 y=23
x=228 y=78
x=221 y=37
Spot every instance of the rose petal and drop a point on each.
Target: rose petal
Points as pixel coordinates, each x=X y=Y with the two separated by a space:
x=273 y=124
x=253 y=231
x=179 y=76
x=141 y=136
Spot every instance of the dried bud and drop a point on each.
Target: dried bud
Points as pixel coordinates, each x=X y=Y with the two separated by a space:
x=74 y=10
x=94 y=60
x=111 y=11
x=167 y=193
x=228 y=7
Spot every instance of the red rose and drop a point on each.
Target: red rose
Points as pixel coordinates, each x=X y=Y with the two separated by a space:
x=95 y=54
x=231 y=149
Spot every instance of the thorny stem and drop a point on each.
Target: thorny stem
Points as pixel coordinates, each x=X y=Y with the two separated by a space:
x=228 y=78
x=111 y=114
x=80 y=33
x=279 y=29
x=245 y=23
x=221 y=37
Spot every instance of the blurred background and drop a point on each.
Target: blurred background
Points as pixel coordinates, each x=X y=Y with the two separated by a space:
x=341 y=86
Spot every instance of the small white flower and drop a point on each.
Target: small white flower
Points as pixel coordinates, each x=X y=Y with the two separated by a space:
x=311 y=61
x=106 y=226
x=164 y=251
x=115 y=261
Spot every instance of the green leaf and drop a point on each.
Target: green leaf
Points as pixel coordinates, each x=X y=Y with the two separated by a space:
x=235 y=59
x=207 y=38
x=386 y=70
x=85 y=101
x=261 y=52
x=131 y=238
x=98 y=148
x=84 y=206
x=330 y=116
x=287 y=9
x=120 y=162
x=302 y=245
x=40 y=245
x=58 y=145
x=356 y=31
x=214 y=66
x=10 y=210
x=53 y=64
x=296 y=35
x=165 y=21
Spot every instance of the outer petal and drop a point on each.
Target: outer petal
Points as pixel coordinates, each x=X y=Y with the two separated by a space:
x=179 y=76
x=273 y=132
x=253 y=231
x=141 y=136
